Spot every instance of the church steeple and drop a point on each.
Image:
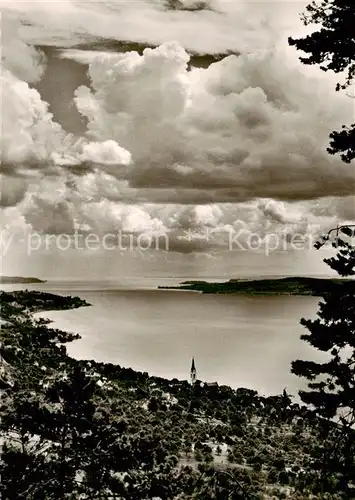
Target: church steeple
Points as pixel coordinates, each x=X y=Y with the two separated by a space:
x=193 y=372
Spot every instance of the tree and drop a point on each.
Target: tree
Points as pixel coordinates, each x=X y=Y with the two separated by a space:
x=331 y=386
x=272 y=475
x=67 y=446
x=332 y=46
x=256 y=462
x=63 y=428
x=283 y=477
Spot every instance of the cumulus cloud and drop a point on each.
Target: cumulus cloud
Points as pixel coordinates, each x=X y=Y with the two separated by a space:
x=221 y=27
x=32 y=139
x=33 y=145
x=188 y=153
x=105 y=153
x=22 y=59
x=50 y=217
x=179 y=228
x=12 y=190
x=28 y=132
x=240 y=129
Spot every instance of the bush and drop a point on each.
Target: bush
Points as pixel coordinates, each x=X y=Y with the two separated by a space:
x=283 y=477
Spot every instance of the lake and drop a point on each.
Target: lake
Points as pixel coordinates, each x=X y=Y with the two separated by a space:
x=236 y=340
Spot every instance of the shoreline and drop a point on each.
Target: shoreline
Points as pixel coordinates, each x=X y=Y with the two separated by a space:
x=295 y=286
x=106 y=347
x=40 y=313
x=197 y=422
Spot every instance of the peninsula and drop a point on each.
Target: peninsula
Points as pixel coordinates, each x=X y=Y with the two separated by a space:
x=280 y=286
x=10 y=280
x=22 y=303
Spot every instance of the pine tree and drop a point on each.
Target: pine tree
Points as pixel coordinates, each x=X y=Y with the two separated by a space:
x=332 y=46
x=61 y=433
x=331 y=386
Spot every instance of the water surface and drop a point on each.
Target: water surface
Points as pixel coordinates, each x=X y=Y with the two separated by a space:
x=236 y=340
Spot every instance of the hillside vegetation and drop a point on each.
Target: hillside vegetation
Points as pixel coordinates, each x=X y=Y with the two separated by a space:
x=281 y=286
x=8 y=280
x=82 y=429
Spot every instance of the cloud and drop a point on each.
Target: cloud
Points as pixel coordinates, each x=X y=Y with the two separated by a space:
x=188 y=153
x=23 y=60
x=12 y=190
x=50 y=217
x=189 y=5
x=232 y=132
x=52 y=208
x=105 y=153
x=222 y=27
x=28 y=131
x=33 y=145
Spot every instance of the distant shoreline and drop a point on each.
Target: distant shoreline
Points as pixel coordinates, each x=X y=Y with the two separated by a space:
x=262 y=287
x=22 y=303
x=14 y=280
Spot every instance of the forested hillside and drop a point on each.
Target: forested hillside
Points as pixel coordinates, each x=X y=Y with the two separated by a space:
x=83 y=430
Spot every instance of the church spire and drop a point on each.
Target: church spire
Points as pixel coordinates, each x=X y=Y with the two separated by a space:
x=193 y=372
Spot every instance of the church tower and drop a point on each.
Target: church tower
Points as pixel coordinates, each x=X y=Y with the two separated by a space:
x=193 y=373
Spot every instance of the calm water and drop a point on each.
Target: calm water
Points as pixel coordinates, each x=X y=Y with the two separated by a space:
x=236 y=340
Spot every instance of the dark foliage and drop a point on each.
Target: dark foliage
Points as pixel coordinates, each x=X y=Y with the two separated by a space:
x=331 y=383
x=86 y=430
x=332 y=47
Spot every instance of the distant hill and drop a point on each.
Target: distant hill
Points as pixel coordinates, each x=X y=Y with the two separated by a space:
x=283 y=286
x=8 y=280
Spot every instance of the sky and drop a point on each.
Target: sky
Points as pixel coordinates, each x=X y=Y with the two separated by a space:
x=188 y=125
